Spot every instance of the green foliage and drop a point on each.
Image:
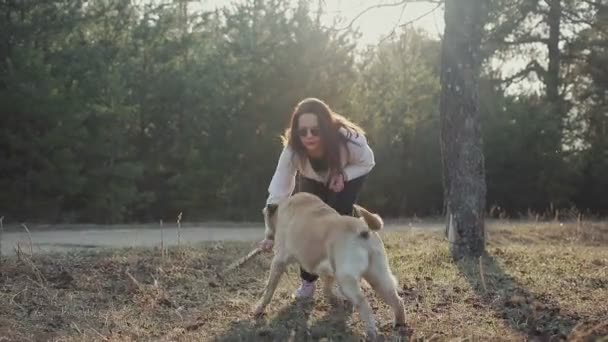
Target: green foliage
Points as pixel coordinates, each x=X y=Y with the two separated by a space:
x=525 y=167
x=591 y=83
x=396 y=101
x=114 y=111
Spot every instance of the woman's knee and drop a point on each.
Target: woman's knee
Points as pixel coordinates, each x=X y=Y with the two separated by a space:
x=345 y=199
x=344 y=208
x=307 y=276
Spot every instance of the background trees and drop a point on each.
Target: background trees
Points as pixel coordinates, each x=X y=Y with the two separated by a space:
x=119 y=111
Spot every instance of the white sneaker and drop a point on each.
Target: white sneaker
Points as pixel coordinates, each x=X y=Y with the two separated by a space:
x=306 y=290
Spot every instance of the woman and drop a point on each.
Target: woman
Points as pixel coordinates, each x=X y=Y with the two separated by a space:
x=333 y=159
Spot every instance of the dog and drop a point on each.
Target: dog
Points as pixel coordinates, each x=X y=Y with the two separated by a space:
x=339 y=248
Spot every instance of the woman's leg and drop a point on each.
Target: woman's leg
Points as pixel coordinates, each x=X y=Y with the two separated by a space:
x=313 y=187
x=308 y=185
x=343 y=201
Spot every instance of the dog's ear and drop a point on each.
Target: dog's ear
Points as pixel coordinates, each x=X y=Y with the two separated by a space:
x=374 y=221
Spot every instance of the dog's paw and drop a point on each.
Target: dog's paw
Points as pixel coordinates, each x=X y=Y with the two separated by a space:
x=332 y=299
x=339 y=297
x=403 y=330
x=340 y=303
x=337 y=303
x=348 y=307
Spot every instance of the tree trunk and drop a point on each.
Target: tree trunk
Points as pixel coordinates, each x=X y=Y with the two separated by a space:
x=552 y=81
x=556 y=102
x=461 y=143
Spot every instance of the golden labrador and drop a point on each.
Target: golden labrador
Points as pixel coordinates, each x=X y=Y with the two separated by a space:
x=341 y=249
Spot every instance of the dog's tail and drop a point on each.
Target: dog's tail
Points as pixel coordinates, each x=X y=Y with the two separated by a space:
x=374 y=221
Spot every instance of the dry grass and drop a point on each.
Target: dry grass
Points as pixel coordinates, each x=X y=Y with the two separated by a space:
x=549 y=284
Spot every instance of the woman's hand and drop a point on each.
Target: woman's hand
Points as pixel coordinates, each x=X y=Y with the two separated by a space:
x=266 y=245
x=336 y=183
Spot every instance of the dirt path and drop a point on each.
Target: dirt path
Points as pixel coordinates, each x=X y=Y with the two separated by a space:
x=50 y=239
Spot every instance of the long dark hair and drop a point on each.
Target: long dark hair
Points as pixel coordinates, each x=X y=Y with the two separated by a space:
x=329 y=124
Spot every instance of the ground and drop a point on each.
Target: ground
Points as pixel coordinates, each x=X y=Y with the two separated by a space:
x=536 y=283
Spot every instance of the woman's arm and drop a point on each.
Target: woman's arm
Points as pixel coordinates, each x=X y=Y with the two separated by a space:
x=284 y=179
x=361 y=159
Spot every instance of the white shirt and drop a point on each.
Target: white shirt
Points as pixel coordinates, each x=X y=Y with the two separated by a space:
x=360 y=162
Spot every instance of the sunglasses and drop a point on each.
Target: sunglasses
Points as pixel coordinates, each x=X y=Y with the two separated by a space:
x=314 y=131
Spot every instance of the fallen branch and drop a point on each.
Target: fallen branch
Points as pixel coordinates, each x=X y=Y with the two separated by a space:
x=75 y=326
x=238 y=263
x=134 y=281
x=97 y=332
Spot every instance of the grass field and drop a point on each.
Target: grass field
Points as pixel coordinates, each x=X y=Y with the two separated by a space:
x=534 y=284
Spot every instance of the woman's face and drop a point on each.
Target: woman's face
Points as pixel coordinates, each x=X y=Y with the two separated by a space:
x=309 y=132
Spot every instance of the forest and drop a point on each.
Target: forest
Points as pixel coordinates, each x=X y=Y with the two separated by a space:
x=127 y=111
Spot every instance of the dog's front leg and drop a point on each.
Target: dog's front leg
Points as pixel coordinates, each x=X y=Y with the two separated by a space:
x=277 y=268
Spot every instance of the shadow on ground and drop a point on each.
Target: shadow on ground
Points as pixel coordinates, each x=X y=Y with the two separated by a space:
x=291 y=324
x=536 y=316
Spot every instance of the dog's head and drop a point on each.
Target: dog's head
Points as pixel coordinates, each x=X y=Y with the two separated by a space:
x=270 y=220
x=373 y=221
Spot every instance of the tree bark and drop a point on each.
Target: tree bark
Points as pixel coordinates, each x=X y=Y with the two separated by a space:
x=461 y=142
x=552 y=81
x=556 y=101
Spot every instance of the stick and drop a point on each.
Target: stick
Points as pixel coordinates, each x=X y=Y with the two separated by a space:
x=18 y=250
x=30 y=237
x=76 y=327
x=98 y=333
x=238 y=263
x=135 y=284
x=162 y=241
x=179 y=228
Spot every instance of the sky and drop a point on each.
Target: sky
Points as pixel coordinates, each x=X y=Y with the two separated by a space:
x=376 y=23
